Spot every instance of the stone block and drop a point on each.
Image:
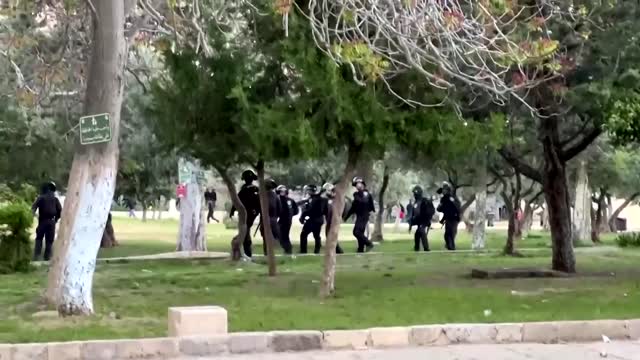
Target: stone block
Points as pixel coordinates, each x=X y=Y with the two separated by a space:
x=199 y=320
x=282 y=341
x=242 y=343
x=99 y=350
x=345 y=339
x=147 y=348
x=5 y=351
x=389 y=337
x=470 y=333
x=29 y=352
x=540 y=332
x=65 y=351
x=508 y=333
x=633 y=328
x=204 y=345
x=580 y=331
x=427 y=335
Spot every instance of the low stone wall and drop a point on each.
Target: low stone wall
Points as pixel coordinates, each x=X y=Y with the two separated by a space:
x=295 y=341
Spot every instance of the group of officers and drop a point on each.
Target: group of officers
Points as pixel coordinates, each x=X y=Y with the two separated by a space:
x=316 y=210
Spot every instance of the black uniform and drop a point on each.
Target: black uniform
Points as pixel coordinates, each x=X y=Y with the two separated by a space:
x=49 y=212
x=450 y=208
x=326 y=229
x=362 y=206
x=210 y=197
x=288 y=209
x=274 y=211
x=421 y=216
x=313 y=214
x=248 y=195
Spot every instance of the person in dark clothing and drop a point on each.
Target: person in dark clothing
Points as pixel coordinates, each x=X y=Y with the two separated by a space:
x=275 y=210
x=450 y=208
x=362 y=207
x=288 y=209
x=421 y=216
x=329 y=193
x=211 y=197
x=313 y=214
x=409 y=213
x=249 y=197
x=49 y=212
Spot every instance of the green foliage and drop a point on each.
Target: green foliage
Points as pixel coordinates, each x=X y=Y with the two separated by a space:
x=631 y=239
x=16 y=220
x=25 y=193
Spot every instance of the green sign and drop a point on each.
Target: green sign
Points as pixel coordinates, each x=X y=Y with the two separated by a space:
x=95 y=129
x=185 y=171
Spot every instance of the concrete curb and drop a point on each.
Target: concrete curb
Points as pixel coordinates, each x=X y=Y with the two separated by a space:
x=298 y=341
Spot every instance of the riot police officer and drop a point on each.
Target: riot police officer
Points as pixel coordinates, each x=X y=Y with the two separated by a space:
x=329 y=193
x=450 y=208
x=421 y=216
x=362 y=207
x=274 y=213
x=49 y=211
x=248 y=195
x=288 y=209
x=313 y=214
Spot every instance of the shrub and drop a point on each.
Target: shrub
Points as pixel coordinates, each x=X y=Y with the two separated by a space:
x=16 y=220
x=631 y=239
x=230 y=223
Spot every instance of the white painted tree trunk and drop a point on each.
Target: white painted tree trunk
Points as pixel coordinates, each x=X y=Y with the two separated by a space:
x=480 y=218
x=93 y=171
x=191 y=236
x=582 y=208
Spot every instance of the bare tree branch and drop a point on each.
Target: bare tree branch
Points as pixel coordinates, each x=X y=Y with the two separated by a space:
x=519 y=165
x=579 y=146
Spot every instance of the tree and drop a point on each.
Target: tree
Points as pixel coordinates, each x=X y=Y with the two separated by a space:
x=571 y=110
x=94 y=168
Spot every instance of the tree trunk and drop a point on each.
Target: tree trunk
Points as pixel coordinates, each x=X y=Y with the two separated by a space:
x=236 y=242
x=93 y=171
x=191 y=236
x=527 y=222
x=267 y=236
x=509 y=247
x=377 y=228
x=614 y=215
x=582 y=208
x=327 y=287
x=468 y=225
x=144 y=210
x=545 y=218
x=556 y=192
x=480 y=218
x=108 y=237
x=595 y=234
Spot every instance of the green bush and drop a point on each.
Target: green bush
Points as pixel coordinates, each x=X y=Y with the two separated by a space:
x=16 y=220
x=631 y=239
x=230 y=223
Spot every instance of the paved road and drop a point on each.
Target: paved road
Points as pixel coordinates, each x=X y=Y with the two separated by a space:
x=594 y=351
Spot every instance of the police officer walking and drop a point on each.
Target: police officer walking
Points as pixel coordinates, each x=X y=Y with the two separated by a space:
x=49 y=211
x=362 y=207
x=313 y=214
x=329 y=193
x=421 y=216
x=211 y=197
x=248 y=195
x=450 y=208
x=274 y=212
x=288 y=209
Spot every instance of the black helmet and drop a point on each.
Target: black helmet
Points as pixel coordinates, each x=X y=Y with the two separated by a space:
x=51 y=186
x=281 y=189
x=311 y=189
x=328 y=187
x=270 y=184
x=417 y=190
x=249 y=175
x=356 y=180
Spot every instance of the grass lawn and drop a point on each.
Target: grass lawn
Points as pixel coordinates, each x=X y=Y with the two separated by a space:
x=152 y=237
x=386 y=289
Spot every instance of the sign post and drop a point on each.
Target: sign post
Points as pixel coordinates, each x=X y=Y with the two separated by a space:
x=95 y=129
